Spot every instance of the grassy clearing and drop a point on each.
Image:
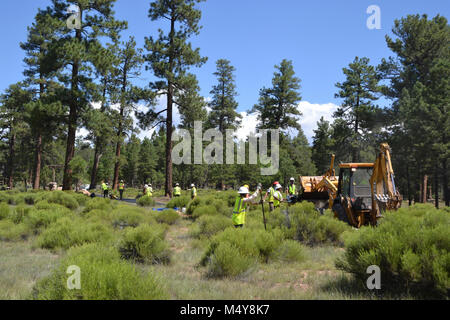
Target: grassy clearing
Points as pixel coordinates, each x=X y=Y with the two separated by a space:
x=294 y=259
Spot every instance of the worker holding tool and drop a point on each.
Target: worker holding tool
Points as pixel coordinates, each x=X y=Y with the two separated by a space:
x=277 y=196
x=177 y=191
x=270 y=193
x=193 y=191
x=121 y=189
x=240 y=211
x=105 y=189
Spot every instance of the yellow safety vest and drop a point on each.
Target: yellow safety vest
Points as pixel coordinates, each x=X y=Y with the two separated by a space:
x=292 y=189
x=121 y=186
x=271 y=193
x=194 y=192
x=149 y=192
x=177 y=191
x=239 y=212
x=276 y=203
x=104 y=187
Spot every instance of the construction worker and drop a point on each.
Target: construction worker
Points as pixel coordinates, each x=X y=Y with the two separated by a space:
x=177 y=190
x=149 y=191
x=277 y=196
x=105 y=189
x=193 y=191
x=240 y=206
x=292 y=190
x=270 y=193
x=121 y=189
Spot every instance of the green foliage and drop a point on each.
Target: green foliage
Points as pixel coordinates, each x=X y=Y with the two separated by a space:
x=169 y=217
x=59 y=197
x=19 y=214
x=99 y=204
x=208 y=205
x=242 y=246
x=290 y=251
x=126 y=216
x=411 y=247
x=145 y=244
x=207 y=226
x=67 y=232
x=104 y=277
x=4 y=211
x=10 y=231
x=179 y=202
x=305 y=224
x=39 y=220
x=146 y=201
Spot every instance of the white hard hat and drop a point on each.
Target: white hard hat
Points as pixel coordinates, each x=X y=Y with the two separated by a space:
x=146 y=186
x=192 y=185
x=278 y=186
x=292 y=179
x=243 y=190
x=177 y=184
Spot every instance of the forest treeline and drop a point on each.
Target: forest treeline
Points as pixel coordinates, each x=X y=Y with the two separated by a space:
x=84 y=77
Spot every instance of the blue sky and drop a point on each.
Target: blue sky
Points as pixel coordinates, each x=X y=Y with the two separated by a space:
x=320 y=37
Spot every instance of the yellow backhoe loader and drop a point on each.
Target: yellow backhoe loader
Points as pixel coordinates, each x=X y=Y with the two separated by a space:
x=361 y=193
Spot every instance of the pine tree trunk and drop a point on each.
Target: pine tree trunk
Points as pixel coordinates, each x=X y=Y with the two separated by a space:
x=168 y=186
x=97 y=157
x=73 y=117
x=38 y=159
x=117 y=166
x=424 y=189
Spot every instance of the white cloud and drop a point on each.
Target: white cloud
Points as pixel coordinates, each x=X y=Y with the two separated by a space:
x=312 y=114
x=248 y=125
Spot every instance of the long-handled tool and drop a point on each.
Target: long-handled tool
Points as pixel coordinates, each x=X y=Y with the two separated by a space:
x=262 y=204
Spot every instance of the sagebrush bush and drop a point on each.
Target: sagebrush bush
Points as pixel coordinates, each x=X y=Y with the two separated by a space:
x=290 y=251
x=228 y=261
x=411 y=247
x=127 y=216
x=10 y=231
x=145 y=201
x=179 y=202
x=207 y=226
x=145 y=244
x=38 y=220
x=4 y=211
x=19 y=213
x=99 y=204
x=67 y=232
x=305 y=224
x=169 y=217
x=59 y=197
x=254 y=244
x=104 y=276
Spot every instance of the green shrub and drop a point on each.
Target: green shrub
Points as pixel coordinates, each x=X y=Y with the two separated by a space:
x=39 y=220
x=66 y=233
x=104 y=276
x=169 y=217
x=146 y=201
x=208 y=226
x=305 y=224
x=45 y=205
x=59 y=197
x=4 y=211
x=145 y=244
x=25 y=198
x=228 y=261
x=290 y=251
x=98 y=204
x=255 y=245
x=19 y=213
x=10 y=231
x=411 y=247
x=204 y=211
x=179 y=202
x=127 y=216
